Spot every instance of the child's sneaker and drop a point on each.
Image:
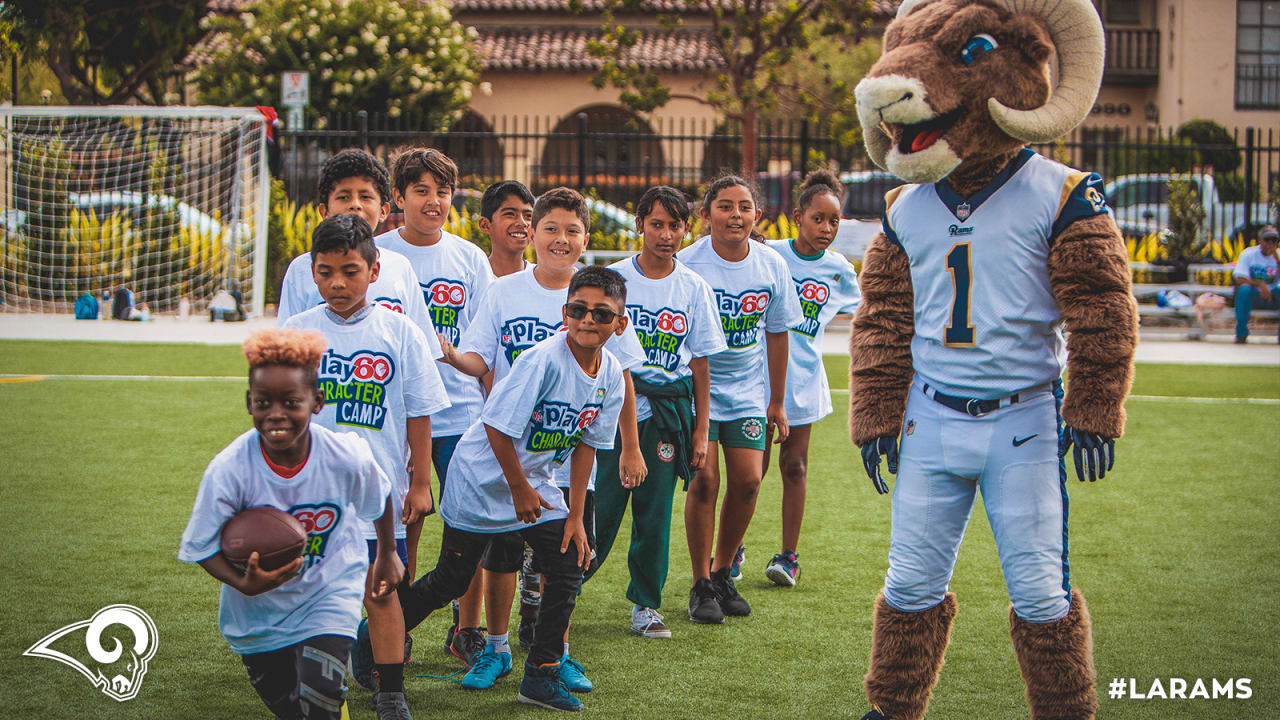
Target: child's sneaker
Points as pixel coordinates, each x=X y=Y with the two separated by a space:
x=361 y=658
x=784 y=569
x=391 y=706
x=704 y=608
x=731 y=602
x=574 y=676
x=647 y=622
x=467 y=643
x=735 y=567
x=542 y=687
x=487 y=668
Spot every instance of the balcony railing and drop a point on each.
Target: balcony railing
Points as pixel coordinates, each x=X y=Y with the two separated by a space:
x=1258 y=87
x=1133 y=57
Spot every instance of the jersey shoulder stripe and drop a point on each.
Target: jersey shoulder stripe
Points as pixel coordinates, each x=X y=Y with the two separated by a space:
x=889 y=199
x=1081 y=197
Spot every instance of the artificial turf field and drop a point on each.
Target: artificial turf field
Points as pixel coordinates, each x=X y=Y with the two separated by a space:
x=1176 y=552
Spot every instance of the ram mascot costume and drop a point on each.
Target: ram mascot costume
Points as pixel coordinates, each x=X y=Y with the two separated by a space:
x=958 y=347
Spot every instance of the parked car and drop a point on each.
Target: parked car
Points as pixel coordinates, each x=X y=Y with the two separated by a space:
x=860 y=215
x=133 y=206
x=1141 y=205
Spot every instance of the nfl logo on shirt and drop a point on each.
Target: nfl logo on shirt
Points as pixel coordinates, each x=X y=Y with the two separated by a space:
x=962 y=211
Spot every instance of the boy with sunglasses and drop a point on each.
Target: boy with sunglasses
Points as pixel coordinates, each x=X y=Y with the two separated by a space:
x=561 y=403
x=514 y=314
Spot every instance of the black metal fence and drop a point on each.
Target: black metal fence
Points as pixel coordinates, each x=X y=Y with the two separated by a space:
x=617 y=157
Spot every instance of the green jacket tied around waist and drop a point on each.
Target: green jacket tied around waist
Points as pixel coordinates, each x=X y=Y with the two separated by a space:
x=672 y=405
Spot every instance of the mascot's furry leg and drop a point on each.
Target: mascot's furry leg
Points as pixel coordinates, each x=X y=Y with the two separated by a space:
x=907 y=650
x=1056 y=659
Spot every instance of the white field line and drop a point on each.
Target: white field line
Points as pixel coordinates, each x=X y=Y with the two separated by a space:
x=838 y=391
x=10 y=377
x=1176 y=398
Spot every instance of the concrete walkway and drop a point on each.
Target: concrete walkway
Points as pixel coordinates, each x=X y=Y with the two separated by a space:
x=1218 y=350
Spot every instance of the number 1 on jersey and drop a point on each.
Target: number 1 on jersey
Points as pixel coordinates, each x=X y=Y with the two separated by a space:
x=959 y=331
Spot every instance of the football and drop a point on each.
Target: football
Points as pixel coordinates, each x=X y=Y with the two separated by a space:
x=275 y=535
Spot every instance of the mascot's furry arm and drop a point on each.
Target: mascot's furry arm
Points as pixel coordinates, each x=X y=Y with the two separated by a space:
x=880 y=344
x=1089 y=275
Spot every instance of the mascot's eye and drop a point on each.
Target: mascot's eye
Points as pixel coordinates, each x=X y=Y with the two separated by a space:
x=978 y=45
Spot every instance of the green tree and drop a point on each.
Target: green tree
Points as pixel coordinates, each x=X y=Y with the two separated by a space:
x=106 y=52
x=755 y=42
x=397 y=56
x=1185 y=238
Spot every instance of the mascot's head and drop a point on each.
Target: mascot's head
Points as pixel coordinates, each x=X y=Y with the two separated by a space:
x=964 y=80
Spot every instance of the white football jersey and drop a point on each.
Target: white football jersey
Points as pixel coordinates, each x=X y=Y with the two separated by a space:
x=986 y=324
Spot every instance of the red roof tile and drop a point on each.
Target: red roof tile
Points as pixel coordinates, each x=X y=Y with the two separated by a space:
x=566 y=49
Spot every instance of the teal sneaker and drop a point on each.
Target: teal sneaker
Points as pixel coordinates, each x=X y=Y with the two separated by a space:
x=361 y=658
x=542 y=687
x=487 y=668
x=573 y=676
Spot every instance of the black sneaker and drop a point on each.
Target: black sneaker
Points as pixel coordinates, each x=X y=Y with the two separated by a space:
x=704 y=609
x=391 y=706
x=448 y=637
x=524 y=633
x=732 y=603
x=467 y=643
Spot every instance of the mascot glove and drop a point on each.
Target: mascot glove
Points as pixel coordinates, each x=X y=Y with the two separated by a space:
x=871 y=452
x=1091 y=449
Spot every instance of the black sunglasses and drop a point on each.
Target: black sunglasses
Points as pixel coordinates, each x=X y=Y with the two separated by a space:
x=602 y=316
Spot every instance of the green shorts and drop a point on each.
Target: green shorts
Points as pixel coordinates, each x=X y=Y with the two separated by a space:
x=747 y=432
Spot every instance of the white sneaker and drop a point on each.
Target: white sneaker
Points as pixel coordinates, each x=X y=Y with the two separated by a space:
x=647 y=622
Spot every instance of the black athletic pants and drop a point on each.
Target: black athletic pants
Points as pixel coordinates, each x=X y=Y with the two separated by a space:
x=460 y=553
x=306 y=680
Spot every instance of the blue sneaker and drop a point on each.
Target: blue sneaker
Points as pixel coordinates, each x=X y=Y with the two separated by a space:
x=573 y=676
x=362 y=657
x=735 y=567
x=542 y=687
x=784 y=569
x=487 y=668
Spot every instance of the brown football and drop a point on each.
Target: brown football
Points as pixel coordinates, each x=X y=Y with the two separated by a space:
x=275 y=535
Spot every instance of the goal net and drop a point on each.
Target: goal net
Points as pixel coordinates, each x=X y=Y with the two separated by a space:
x=166 y=203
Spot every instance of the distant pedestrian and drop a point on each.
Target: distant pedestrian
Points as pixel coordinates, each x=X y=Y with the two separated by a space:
x=1257 y=279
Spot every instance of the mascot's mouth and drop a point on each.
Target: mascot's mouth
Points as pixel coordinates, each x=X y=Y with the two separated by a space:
x=922 y=135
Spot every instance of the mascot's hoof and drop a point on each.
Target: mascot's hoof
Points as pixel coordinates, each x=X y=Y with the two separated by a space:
x=907 y=650
x=1057 y=663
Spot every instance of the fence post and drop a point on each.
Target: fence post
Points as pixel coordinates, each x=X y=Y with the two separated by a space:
x=582 y=151
x=1248 y=178
x=804 y=145
x=363 y=117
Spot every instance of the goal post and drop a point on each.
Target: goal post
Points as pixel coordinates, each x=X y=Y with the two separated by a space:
x=168 y=203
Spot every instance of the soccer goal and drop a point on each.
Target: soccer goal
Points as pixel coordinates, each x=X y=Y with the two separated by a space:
x=165 y=203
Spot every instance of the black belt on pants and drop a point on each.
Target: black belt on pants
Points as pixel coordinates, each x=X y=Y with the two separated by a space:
x=969 y=406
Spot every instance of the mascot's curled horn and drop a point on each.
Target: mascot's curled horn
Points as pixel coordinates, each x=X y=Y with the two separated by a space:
x=958 y=345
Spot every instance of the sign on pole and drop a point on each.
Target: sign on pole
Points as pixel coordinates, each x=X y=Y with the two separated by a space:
x=295 y=88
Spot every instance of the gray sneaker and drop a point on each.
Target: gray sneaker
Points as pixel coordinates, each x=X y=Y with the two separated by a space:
x=647 y=622
x=391 y=706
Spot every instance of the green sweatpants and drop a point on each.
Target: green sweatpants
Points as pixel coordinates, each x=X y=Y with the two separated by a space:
x=650 y=514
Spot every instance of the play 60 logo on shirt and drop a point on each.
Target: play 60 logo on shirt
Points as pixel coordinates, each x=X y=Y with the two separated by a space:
x=661 y=334
x=740 y=315
x=557 y=427
x=520 y=334
x=319 y=520
x=813 y=297
x=445 y=299
x=356 y=386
